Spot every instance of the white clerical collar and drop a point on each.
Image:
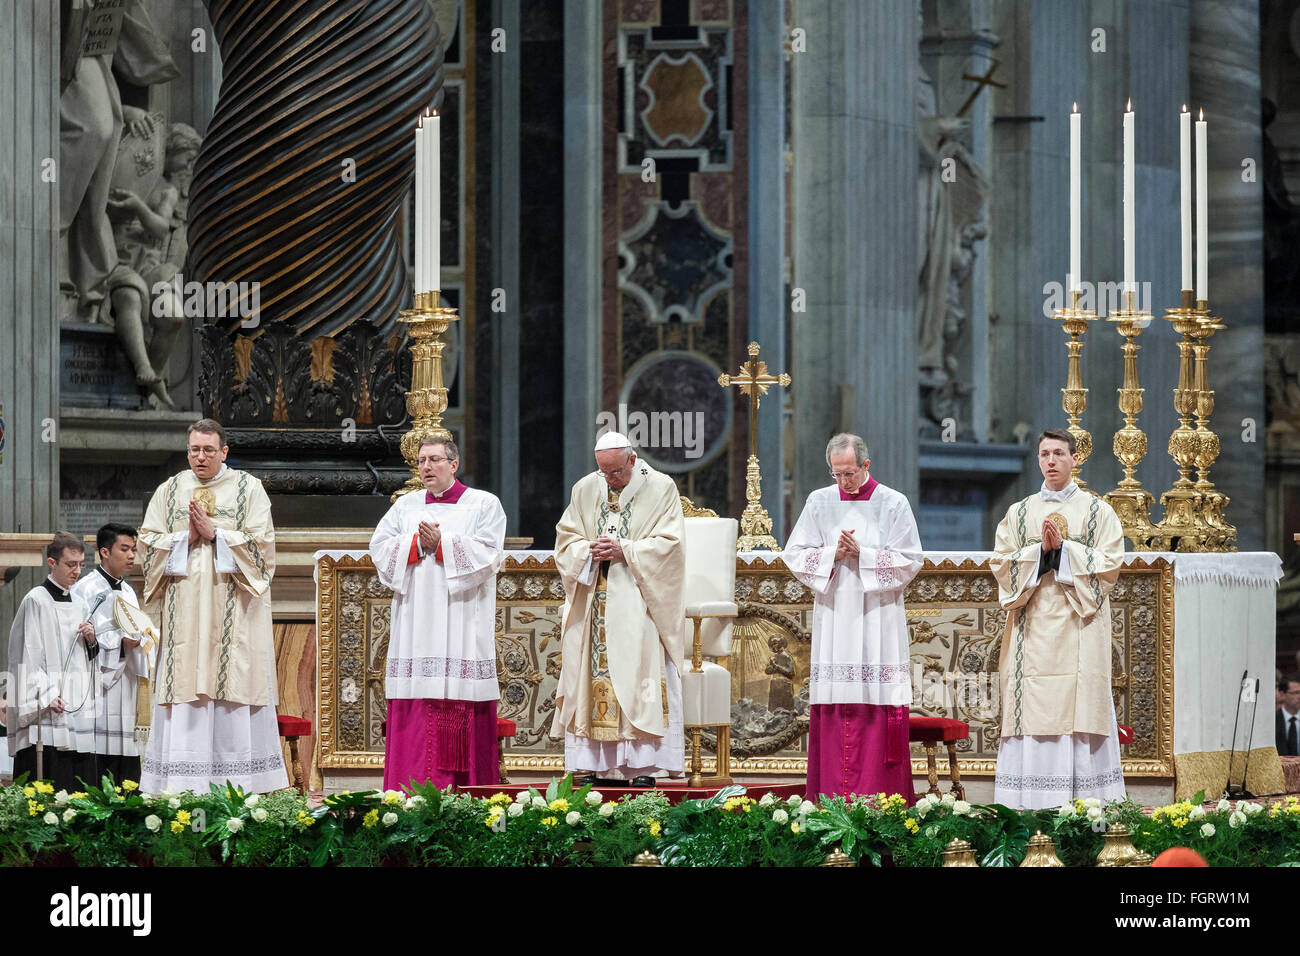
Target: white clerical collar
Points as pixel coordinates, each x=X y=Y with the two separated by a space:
x=208 y=481
x=1065 y=494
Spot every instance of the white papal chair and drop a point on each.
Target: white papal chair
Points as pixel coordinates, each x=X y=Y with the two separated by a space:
x=710 y=599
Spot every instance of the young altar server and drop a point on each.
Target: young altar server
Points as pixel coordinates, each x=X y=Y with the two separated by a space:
x=121 y=660
x=1058 y=554
x=856 y=547
x=51 y=646
x=439 y=551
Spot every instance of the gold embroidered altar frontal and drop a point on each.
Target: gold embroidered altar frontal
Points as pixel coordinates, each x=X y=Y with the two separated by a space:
x=954 y=622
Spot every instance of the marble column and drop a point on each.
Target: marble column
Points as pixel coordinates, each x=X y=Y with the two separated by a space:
x=855 y=237
x=505 y=260
x=768 y=305
x=582 y=224
x=29 y=299
x=1224 y=68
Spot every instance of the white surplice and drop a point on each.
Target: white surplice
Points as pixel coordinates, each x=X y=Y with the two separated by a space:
x=861 y=652
x=120 y=667
x=442 y=633
x=46 y=661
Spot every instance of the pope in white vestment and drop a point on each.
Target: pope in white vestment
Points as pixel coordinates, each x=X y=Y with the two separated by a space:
x=50 y=696
x=1057 y=556
x=439 y=550
x=618 y=548
x=208 y=561
x=856 y=547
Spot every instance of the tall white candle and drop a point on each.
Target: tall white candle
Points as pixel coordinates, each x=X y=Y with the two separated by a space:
x=1075 y=278
x=417 y=257
x=1130 y=220
x=1185 y=192
x=435 y=202
x=1202 y=216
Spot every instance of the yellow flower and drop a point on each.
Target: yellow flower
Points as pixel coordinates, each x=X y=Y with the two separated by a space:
x=182 y=817
x=117 y=789
x=393 y=797
x=911 y=825
x=129 y=785
x=305 y=819
x=370 y=819
x=1179 y=822
x=33 y=808
x=79 y=795
x=43 y=787
x=794 y=827
x=549 y=821
x=559 y=803
x=656 y=828
x=29 y=791
x=1292 y=800
x=498 y=798
x=177 y=827
x=1293 y=809
x=494 y=814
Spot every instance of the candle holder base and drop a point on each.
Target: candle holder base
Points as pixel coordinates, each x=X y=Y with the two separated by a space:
x=427 y=398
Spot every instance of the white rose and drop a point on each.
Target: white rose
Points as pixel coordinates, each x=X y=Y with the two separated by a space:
x=169 y=793
x=1237 y=819
x=947 y=799
x=1095 y=813
x=539 y=802
x=413 y=802
x=523 y=796
x=1198 y=813
x=69 y=815
x=767 y=800
x=1250 y=809
x=594 y=798
x=573 y=818
x=389 y=818
x=61 y=797
x=515 y=809
x=606 y=809
x=50 y=818
x=1207 y=830
x=259 y=814
x=152 y=822
x=234 y=824
x=961 y=807
x=252 y=801
x=1067 y=810
x=922 y=808
x=806 y=808
x=1223 y=805
x=794 y=801
x=780 y=816
x=1092 y=802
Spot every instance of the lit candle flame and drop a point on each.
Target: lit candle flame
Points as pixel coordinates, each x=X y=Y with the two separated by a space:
x=1076 y=107
x=1130 y=104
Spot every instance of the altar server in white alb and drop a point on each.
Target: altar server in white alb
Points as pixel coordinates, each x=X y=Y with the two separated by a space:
x=856 y=547
x=209 y=555
x=121 y=659
x=618 y=548
x=48 y=701
x=439 y=550
x=1058 y=554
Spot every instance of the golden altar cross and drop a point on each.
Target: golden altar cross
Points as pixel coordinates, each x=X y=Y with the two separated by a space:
x=753 y=380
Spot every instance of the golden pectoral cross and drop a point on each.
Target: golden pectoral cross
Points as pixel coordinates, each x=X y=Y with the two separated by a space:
x=753 y=380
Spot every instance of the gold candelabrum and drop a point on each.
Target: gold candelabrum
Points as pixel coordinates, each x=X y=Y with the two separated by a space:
x=1194 y=517
x=427 y=398
x=1132 y=502
x=753 y=380
x=1074 y=397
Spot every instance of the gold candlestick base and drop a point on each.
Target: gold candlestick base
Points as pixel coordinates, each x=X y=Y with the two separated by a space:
x=1074 y=397
x=1132 y=502
x=1181 y=527
x=427 y=398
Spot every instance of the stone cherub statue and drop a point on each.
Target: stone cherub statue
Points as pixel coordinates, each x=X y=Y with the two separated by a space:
x=149 y=233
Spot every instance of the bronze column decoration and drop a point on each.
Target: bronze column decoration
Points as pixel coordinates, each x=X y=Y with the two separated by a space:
x=1177 y=530
x=1132 y=502
x=1074 y=397
x=755 y=523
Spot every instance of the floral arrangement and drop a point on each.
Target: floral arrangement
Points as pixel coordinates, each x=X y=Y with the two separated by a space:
x=115 y=825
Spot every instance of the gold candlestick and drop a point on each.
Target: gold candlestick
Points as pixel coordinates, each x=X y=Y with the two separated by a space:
x=1219 y=534
x=1132 y=502
x=1178 y=529
x=1074 y=397
x=753 y=380
x=427 y=398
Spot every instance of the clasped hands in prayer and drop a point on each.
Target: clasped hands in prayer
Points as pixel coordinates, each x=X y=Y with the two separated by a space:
x=1051 y=535
x=606 y=548
x=846 y=549
x=201 y=526
x=430 y=536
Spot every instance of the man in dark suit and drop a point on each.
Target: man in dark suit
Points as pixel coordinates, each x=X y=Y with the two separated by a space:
x=1288 y=716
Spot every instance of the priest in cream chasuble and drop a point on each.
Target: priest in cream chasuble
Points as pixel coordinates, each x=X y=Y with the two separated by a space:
x=208 y=561
x=856 y=547
x=618 y=548
x=1057 y=556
